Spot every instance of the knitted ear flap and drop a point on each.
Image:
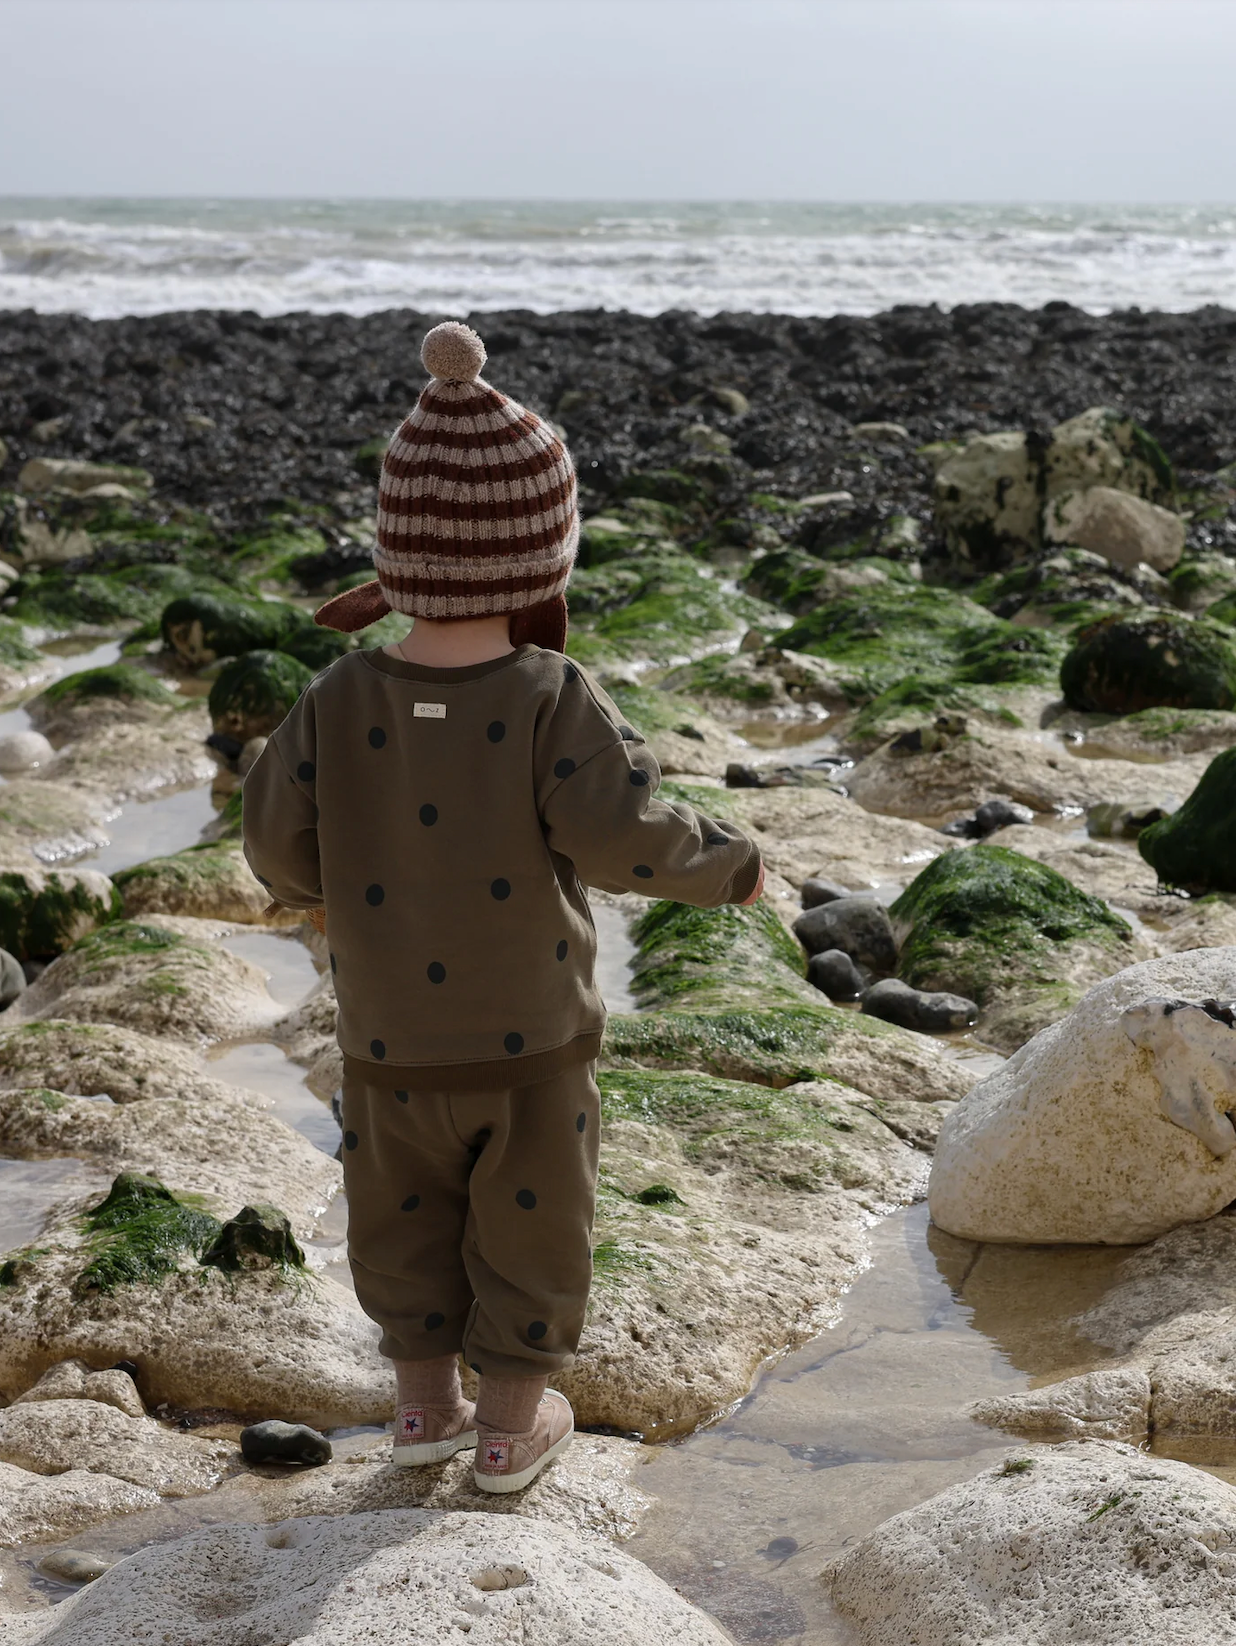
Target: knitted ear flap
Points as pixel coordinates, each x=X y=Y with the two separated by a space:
x=355 y=609
x=544 y=625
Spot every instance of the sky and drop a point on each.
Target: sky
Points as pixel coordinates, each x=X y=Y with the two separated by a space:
x=839 y=100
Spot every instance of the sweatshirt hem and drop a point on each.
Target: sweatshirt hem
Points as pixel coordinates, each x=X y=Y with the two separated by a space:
x=496 y=1074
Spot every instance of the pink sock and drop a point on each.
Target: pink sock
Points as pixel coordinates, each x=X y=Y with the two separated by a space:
x=508 y=1404
x=429 y=1382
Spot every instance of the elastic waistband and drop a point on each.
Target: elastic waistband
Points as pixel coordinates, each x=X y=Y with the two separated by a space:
x=529 y=1069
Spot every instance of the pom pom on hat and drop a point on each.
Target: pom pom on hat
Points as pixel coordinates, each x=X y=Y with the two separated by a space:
x=453 y=352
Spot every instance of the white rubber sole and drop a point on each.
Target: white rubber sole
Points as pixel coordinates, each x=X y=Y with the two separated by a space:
x=432 y=1451
x=525 y=1477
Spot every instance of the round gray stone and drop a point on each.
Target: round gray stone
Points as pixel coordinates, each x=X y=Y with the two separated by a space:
x=835 y=974
x=896 y=1002
x=858 y=925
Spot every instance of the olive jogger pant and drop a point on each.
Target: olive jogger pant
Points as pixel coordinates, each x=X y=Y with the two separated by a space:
x=470 y=1218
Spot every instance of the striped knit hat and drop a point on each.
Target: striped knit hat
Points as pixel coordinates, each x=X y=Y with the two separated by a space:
x=477 y=509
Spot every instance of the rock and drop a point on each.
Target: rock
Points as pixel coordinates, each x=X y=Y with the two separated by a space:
x=52 y=1436
x=857 y=925
x=38 y=1508
x=345 y=1580
x=254 y=692
x=226 y=1151
x=987 y=501
x=207 y=882
x=47 y=822
x=1110 y=1404
x=79 y=704
x=146 y=978
x=200 y=628
x=817 y=889
x=1091 y=1539
x=897 y=1002
x=45 y=474
x=733 y=401
x=276 y=1442
x=22 y=751
x=250 y=1341
x=1116 y=820
x=45 y=911
x=258 y=1237
x=101 y=1059
x=12 y=978
x=137 y=761
x=1122 y=664
x=1068 y=586
x=74 y=1565
x=835 y=974
x=1101 y=447
x=1158 y=734
x=1199 y=581
x=1101 y=1129
x=1193 y=847
x=999 y=813
x=891 y=432
x=1009 y=933
x=1125 y=530
x=75 y=1380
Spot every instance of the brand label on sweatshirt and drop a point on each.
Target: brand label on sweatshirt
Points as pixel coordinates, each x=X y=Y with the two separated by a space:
x=430 y=711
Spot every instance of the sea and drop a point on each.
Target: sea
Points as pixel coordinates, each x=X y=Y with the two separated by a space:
x=105 y=258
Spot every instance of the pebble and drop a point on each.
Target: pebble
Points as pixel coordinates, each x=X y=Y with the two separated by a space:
x=22 y=751
x=896 y=1002
x=1000 y=814
x=859 y=925
x=817 y=890
x=277 y=1442
x=835 y=974
x=73 y=1565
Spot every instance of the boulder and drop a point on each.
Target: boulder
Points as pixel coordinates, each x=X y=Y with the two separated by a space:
x=987 y=501
x=1122 y=664
x=207 y=882
x=276 y=1442
x=1198 y=581
x=1102 y=447
x=46 y=474
x=254 y=692
x=137 y=760
x=897 y=1002
x=45 y=911
x=1008 y=933
x=201 y=628
x=76 y=705
x=75 y=1380
x=24 y=751
x=146 y=978
x=104 y=1060
x=1068 y=586
x=1090 y=1541
x=1193 y=847
x=50 y=822
x=1124 y=529
x=50 y=1437
x=407 y=1577
x=818 y=889
x=1110 y=1404
x=858 y=926
x=1104 y=1129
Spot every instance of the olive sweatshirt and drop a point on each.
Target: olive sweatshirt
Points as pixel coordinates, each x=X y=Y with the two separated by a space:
x=446 y=818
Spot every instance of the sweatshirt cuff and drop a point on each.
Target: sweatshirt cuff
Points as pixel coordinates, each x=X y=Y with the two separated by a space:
x=744 y=881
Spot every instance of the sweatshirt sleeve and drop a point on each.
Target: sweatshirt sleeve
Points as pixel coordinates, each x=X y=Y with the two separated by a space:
x=280 y=816
x=603 y=813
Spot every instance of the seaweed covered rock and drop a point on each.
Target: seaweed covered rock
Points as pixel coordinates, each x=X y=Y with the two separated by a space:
x=75 y=703
x=67 y=599
x=45 y=911
x=1122 y=664
x=1200 y=581
x=1008 y=933
x=202 y=627
x=258 y=1237
x=208 y=882
x=1193 y=847
x=144 y=977
x=254 y=692
x=1067 y=587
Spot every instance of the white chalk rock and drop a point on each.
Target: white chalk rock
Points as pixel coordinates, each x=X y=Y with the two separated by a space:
x=1110 y=1404
x=1105 y=1127
x=1090 y=1541
x=405 y=1577
x=986 y=494
x=22 y=751
x=1125 y=530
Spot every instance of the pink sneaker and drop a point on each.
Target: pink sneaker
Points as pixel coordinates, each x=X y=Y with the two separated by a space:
x=508 y=1463
x=431 y=1434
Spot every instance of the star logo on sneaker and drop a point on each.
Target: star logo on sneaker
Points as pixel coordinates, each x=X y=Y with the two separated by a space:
x=412 y=1423
x=497 y=1454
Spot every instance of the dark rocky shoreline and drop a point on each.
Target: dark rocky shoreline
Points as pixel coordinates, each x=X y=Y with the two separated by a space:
x=239 y=414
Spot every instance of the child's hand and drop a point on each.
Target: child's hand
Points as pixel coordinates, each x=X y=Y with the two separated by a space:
x=759 y=887
x=317 y=917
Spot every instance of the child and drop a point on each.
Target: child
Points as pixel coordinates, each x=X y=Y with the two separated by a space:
x=444 y=798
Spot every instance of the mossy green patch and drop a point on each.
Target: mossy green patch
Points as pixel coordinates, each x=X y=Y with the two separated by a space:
x=662 y=606
x=269 y=555
x=1192 y=848
x=650 y=710
x=15 y=650
x=140 y=1232
x=206 y=626
x=1008 y=656
x=42 y=915
x=1063 y=590
x=1156 y=660
x=976 y=918
x=56 y=599
x=723 y=675
x=665 y=486
x=714 y=956
x=912 y=702
x=124 y=681
x=122 y=939
x=254 y=693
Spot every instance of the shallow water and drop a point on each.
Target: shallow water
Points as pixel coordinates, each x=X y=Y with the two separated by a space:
x=152 y=828
x=864 y=1421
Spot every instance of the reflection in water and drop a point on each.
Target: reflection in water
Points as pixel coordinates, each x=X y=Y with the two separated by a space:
x=290 y=969
x=30 y=1188
x=264 y=1068
x=864 y=1421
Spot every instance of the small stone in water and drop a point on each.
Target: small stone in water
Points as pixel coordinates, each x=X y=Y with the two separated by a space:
x=780 y=1548
x=817 y=890
x=73 y=1565
x=835 y=974
x=21 y=751
x=897 y=1002
x=1000 y=814
x=276 y=1442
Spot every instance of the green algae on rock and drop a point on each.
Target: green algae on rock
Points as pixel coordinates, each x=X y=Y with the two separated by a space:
x=1122 y=664
x=258 y=1237
x=254 y=693
x=209 y=882
x=56 y=598
x=203 y=627
x=662 y=606
x=140 y=1232
x=1192 y=848
x=122 y=683
x=43 y=912
x=1008 y=932
x=718 y=956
